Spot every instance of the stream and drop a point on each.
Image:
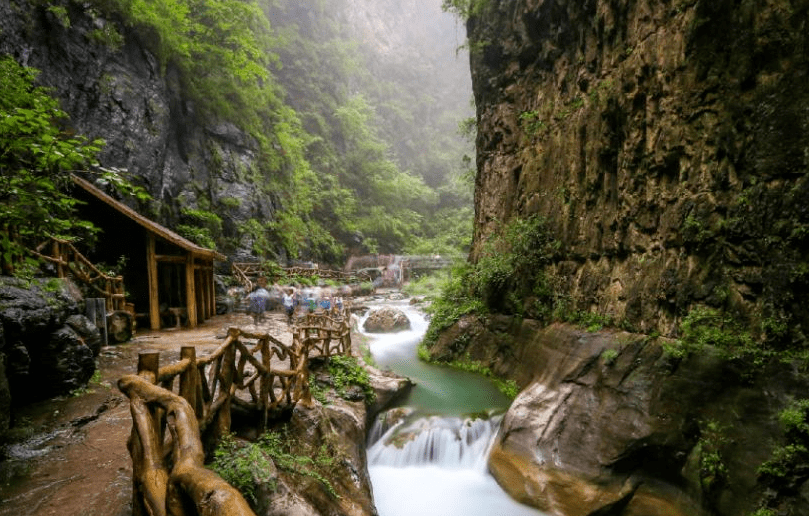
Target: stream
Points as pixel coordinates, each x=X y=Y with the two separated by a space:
x=429 y=456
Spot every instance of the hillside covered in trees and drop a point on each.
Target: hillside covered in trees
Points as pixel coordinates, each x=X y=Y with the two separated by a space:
x=271 y=129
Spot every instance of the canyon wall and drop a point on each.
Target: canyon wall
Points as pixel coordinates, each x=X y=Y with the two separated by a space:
x=666 y=142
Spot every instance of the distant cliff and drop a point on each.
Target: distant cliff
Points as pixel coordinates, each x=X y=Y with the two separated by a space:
x=665 y=142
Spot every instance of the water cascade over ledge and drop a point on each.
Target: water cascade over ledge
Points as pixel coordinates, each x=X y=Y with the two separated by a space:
x=429 y=456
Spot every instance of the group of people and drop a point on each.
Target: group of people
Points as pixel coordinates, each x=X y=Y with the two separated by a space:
x=291 y=300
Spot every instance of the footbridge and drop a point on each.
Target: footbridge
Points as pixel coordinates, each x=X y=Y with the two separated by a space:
x=182 y=409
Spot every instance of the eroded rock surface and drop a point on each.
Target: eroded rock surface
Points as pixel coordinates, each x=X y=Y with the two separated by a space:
x=609 y=422
x=664 y=142
x=341 y=427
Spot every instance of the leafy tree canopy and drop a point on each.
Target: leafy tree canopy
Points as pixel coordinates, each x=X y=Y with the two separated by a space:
x=36 y=158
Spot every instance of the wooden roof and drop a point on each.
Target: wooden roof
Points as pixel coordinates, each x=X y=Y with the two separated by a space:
x=150 y=225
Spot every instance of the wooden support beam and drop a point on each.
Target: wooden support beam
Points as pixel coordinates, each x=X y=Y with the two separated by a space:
x=190 y=291
x=165 y=258
x=151 y=269
x=211 y=293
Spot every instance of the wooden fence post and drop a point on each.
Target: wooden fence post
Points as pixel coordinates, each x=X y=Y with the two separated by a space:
x=265 y=386
x=148 y=366
x=226 y=374
x=189 y=378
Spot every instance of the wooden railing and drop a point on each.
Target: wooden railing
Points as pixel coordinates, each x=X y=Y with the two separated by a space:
x=248 y=272
x=255 y=371
x=68 y=259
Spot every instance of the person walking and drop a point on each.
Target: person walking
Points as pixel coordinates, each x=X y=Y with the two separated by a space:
x=289 y=305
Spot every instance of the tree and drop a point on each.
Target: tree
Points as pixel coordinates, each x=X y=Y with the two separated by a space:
x=36 y=158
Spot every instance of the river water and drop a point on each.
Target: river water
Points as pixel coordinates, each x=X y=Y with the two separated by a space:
x=429 y=456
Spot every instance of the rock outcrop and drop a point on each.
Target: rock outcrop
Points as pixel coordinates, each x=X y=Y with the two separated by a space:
x=338 y=428
x=609 y=423
x=386 y=320
x=666 y=143
x=49 y=349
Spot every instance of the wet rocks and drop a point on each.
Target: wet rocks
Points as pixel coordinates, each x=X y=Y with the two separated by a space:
x=609 y=423
x=338 y=428
x=48 y=348
x=386 y=320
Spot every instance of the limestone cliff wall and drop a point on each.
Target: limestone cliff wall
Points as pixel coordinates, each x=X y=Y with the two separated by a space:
x=665 y=141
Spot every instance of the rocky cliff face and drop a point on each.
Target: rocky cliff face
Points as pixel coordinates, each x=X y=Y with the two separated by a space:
x=118 y=92
x=666 y=143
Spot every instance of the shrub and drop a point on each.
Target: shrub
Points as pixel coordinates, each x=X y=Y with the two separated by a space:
x=244 y=465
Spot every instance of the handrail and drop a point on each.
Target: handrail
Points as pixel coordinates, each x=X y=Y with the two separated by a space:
x=253 y=370
x=245 y=272
x=66 y=257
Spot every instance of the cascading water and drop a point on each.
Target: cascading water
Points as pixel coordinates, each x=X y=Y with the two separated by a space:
x=429 y=456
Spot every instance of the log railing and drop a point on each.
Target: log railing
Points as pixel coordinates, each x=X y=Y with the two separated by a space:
x=247 y=273
x=254 y=371
x=67 y=258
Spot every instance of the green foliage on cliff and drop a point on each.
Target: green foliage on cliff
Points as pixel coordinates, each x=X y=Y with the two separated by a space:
x=786 y=471
x=709 y=327
x=465 y=8
x=301 y=87
x=346 y=371
x=36 y=159
x=509 y=271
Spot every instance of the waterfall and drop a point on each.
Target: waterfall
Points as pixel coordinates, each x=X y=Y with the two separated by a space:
x=446 y=442
x=428 y=458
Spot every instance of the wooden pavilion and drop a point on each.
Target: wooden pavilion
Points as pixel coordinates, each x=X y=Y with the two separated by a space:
x=164 y=273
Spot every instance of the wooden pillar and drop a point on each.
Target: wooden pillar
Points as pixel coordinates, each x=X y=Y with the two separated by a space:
x=211 y=292
x=190 y=291
x=151 y=270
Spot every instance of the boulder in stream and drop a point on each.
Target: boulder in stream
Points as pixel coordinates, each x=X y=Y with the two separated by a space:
x=386 y=320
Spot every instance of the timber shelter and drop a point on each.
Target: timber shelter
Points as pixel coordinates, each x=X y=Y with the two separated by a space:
x=167 y=277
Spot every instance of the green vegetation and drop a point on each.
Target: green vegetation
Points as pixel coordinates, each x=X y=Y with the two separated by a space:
x=509 y=270
x=709 y=327
x=531 y=123
x=200 y=226
x=609 y=356
x=465 y=8
x=36 y=159
x=344 y=371
x=786 y=470
x=713 y=471
x=350 y=158
x=245 y=465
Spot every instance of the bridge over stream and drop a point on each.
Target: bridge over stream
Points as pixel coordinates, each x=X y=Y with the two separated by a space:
x=183 y=408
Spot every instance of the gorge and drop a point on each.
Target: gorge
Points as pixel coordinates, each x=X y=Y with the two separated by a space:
x=638 y=260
